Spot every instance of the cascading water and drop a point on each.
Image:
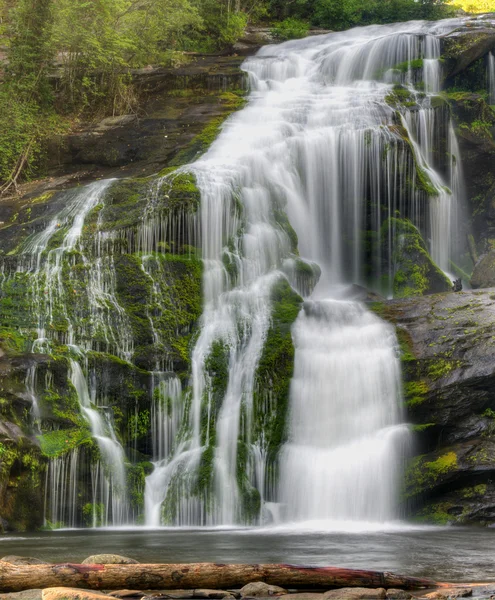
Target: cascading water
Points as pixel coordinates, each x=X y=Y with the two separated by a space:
x=491 y=78
x=326 y=139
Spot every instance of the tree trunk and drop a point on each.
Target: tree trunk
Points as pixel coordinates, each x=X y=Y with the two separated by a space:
x=14 y=578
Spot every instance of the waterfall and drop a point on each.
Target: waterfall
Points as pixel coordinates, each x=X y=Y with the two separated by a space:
x=342 y=133
x=491 y=78
x=110 y=477
x=326 y=140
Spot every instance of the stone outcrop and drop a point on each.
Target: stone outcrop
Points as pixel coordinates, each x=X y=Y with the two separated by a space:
x=448 y=357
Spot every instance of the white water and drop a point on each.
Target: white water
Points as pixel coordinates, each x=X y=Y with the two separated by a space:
x=491 y=78
x=109 y=477
x=319 y=141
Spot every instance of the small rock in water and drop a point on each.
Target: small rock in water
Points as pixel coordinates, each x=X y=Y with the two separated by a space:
x=259 y=589
x=63 y=593
x=23 y=560
x=25 y=595
x=394 y=594
x=213 y=594
x=449 y=593
x=108 y=559
x=302 y=596
x=127 y=594
x=355 y=594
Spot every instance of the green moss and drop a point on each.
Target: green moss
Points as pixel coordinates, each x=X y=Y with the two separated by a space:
x=415 y=392
x=423 y=474
x=400 y=96
x=422 y=427
x=436 y=514
x=56 y=443
x=415 y=274
x=441 y=368
x=477 y=491
x=275 y=368
x=404 y=67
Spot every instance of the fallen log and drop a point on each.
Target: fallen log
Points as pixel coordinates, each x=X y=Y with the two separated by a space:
x=15 y=578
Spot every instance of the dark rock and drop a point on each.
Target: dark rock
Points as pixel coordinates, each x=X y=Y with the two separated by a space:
x=448 y=359
x=23 y=560
x=484 y=272
x=108 y=559
x=466 y=45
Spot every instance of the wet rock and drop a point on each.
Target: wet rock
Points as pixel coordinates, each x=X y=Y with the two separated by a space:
x=448 y=360
x=415 y=273
x=23 y=560
x=108 y=559
x=355 y=594
x=484 y=272
x=394 y=594
x=259 y=589
x=213 y=594
x=25 y=595
x=450 y=593
x=63 y=593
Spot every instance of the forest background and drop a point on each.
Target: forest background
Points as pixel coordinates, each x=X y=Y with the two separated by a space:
x=95 y=44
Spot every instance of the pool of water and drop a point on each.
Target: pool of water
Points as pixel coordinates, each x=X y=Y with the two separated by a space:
x=445 y=554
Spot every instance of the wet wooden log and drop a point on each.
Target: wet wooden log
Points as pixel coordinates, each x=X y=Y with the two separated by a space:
x=14 y=578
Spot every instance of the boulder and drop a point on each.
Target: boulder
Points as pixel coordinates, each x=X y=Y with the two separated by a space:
x=484 y=271
x=108 y=559
x=63 y=593
x=355 y=594
x=23 y=560
x=450 y=594
x=259 y=589
x=398 y=594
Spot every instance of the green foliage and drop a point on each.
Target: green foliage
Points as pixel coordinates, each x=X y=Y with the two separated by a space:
x=423 y=474
x=56 y=443
x=94 y=514
x=290 y=29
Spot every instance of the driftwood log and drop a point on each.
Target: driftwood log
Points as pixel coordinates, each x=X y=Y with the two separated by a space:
x=15 y=578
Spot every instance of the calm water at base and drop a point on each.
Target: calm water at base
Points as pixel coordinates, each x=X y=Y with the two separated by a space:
x=448 y=554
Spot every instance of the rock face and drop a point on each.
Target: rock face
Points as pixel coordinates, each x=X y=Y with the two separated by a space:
x=448 y=355
x=415 y=274
x=484 y=271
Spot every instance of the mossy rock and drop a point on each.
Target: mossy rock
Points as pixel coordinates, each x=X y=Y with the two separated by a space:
x=484 y=272
x=415 y=274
